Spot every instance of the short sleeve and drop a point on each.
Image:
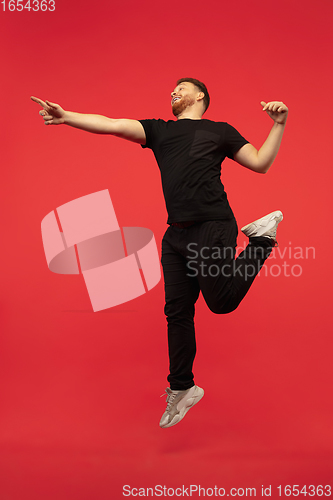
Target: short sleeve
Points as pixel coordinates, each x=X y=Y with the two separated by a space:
x=233 y=141
x=148 y=126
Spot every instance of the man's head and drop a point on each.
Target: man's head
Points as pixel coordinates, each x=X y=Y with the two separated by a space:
x=189 y=92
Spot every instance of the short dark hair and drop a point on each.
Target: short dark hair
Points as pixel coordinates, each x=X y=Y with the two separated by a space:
x=201 y=86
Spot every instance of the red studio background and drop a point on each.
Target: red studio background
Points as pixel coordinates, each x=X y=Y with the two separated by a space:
x=80 y=390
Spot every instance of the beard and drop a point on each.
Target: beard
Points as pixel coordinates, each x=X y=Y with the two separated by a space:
x=183 y=103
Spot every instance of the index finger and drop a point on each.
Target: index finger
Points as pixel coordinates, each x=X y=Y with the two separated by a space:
x=39 y=101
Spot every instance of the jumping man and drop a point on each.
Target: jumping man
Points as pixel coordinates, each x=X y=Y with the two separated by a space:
x=199 y=246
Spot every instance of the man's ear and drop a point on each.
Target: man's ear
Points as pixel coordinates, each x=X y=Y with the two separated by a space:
x=200 y=96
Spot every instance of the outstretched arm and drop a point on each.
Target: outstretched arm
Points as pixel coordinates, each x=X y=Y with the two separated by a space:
x=53 y=114
x=260 y=161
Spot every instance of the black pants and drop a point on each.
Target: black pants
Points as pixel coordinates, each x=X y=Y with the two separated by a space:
x=202 y=257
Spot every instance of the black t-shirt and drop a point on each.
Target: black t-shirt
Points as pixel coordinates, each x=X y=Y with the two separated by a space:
x=189 y=154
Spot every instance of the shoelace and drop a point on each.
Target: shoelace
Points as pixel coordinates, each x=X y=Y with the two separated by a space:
x=169 y=399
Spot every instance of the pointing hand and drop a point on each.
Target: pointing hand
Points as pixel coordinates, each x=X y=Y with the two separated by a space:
x=52 y=113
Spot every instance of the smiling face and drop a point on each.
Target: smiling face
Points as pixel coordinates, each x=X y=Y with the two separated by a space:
x=184 y=96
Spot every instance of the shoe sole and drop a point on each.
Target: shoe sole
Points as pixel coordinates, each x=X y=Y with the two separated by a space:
x=276 y=217
x=189 y=404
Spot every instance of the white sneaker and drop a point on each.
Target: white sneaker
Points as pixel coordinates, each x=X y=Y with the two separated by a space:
x=179 y=403
x=266 y=226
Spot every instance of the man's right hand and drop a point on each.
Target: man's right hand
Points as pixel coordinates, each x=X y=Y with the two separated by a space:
x=52 y=113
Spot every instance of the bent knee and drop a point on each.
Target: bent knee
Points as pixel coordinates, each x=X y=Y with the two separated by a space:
x=222 y=309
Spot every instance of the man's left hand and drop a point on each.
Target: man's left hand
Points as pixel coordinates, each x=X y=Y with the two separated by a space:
x=277 y=110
